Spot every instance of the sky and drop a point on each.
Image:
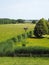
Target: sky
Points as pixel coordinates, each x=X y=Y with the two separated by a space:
x=24 y=9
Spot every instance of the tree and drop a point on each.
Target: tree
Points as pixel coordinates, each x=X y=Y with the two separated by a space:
x=34 y=21
x=20 y=21
x=48 y=28
x=41 y=28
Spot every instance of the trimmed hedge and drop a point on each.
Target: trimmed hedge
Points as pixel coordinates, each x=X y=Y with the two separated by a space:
x=32 y=51
x=8 y=49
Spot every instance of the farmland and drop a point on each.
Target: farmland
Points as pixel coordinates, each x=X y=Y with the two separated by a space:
x=10 y=30
x=7 y=31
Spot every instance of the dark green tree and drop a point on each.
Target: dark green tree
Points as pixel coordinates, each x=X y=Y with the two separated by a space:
x=41 y=28
x=34 y=21
x=20 y=21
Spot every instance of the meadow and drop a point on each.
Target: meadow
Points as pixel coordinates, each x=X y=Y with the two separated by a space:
x=8 y=31
x=43 y=42
x=24 y=61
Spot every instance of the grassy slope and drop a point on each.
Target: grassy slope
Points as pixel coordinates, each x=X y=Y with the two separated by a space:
x=9 y=30
x=43 y=42
x=24 y=61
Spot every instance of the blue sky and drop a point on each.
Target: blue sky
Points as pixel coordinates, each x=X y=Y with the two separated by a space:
x=24 y=9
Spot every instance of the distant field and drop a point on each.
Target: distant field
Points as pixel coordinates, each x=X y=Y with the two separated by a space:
x=24 y=61
x=10 y=30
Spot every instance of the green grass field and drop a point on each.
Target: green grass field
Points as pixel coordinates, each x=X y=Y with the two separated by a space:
x=43 y=42
x=11 y=30
x=24 y=61
x=8 y=31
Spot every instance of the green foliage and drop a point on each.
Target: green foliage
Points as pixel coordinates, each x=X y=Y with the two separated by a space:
x=32 y=51
x=27 y=34
x=14 y=39
x=48 y=27
x=34 y=21
x=19 y=38
x=20 y=21
x=41 y=28
x=30 y=33
x=23 y=44
x=24 y=36
x=6 y=48
x=8 y=21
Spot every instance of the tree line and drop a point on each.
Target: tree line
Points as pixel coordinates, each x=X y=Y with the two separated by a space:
x=10 y=21
x=14 y=21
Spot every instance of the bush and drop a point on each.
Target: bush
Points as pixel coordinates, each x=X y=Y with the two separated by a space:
x=19 y=38
x=14 y=39
x=6 y=48
x=41 y=28
x=32 y=51
x=30 y=33
x=24 y=36
x=23 y=44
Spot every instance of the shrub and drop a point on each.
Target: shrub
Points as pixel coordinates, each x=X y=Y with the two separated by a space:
x=41 y=28
x=24 y=36
x=30 y=33
x=19 y=38
x=27 y=34
x=23 y=44
x=32 y=51
x=6 y=48
x=14 y=39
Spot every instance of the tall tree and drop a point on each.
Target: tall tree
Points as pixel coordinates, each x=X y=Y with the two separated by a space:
x=41 y=28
